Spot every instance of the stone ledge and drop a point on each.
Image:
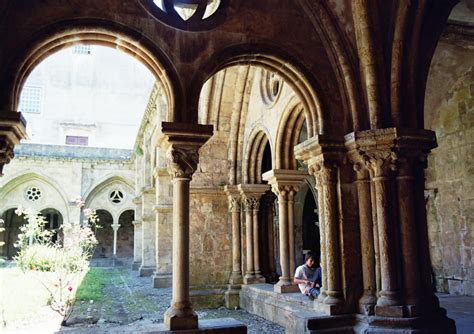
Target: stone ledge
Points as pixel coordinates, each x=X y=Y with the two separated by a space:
x=211 y=326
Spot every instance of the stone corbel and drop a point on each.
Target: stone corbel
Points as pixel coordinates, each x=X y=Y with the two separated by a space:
x=12 y=130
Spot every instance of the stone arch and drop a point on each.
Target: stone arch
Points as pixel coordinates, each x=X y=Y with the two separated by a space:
x=289 y=128
x=100 y=32
x=104 y=234
x=19 y=179
x=103 y=184
x=125 y=233
x=254 y=151
x=278 y=61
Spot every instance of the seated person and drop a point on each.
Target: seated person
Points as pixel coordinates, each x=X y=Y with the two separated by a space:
x=308 y=276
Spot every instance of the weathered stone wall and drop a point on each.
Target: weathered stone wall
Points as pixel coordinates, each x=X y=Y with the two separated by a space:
x=449 y=110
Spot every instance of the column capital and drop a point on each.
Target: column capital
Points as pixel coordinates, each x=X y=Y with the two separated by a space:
x=185 y=140
x=390 y=149
x=12 y=130
x=233 y=195
x=251 y=194
x=284 y=180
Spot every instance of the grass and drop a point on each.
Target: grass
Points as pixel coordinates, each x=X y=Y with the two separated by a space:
x=93 y=285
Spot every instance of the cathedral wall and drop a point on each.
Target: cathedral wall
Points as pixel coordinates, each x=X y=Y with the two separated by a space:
x=449 y=111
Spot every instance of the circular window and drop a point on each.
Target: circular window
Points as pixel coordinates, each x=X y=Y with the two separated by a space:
x=187 y=14
x=270 y=87
x=33 y=194
x=116 y=196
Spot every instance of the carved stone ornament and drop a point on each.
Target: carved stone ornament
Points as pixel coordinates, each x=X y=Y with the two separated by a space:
x=182 y=161
x=234 y=204
x=251 y=203
x=6 y=152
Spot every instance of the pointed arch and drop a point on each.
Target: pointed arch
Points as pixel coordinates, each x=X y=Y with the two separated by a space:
x=289 y=128
x=253 y=156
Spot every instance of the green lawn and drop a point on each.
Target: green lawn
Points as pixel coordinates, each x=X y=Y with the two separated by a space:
x=93 y=284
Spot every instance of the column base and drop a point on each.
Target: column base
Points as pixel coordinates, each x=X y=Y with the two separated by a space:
x=136 y=265
x=211 y=326
x=367 y=304
x=232 y=297
x=145 y=271
x=285 y=288
x=162 y=280
x=180 y=319
x=333 y=298
x=236 y=279
x=389 y=311
x=253 y=280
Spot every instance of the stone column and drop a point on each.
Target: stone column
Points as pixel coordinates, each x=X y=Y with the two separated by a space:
x=285 y=183
x=12 y=130
x=381 y=165
x=185 y=141
x=162 y=277
x=115 y=228
x=323 y=154
x=385 y=152
x=236 y=279
x=322 y=239
x=328 y=178
x=251 y=195
x=148 y=232
x=408 y=232
x=291 y=231
x=137 y=244
x=368 y=300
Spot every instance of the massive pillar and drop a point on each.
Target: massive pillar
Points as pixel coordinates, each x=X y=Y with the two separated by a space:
x=185 y=141
x=391 y=156
x=323 y=156
x=285 y=184
x=137 y=244
x=12 y=130
x=236 y=279
x=148 y=232
x=164 y=226
x=251 y=195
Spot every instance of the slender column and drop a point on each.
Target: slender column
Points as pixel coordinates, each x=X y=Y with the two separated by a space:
x=368 y=299
x=285 y=278
x=406 y=204
x=115 y=227
x=378 y=279
x=234 y=208
x=291 y=231
x=251 y=194
x=322 y=238
x=271 y=241
x=182 y=156
x=328 y=173
x=250 y=271
x=256 y=251
x=285 y=183
x=381 y=165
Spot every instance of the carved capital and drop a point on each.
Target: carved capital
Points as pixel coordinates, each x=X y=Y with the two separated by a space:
x=12 y=130
x=325 y=172
x=182 y=161
x=380 y=163
x=234 y=204
x=6 y=152
x=251 y=203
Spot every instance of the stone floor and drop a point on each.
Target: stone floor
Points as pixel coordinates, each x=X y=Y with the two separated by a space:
x=461 y=309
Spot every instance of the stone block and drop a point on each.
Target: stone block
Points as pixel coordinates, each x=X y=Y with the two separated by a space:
x=162 y=280
x=211 y=326
x=455 y=287
x=389 y=311
x=286 y=288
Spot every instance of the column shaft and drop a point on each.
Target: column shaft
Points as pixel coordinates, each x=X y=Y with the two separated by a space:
x=388 y=293
x=333 y=290
x=283 y=229
x=256 y=251
x=250 y=272
x=236 y=258
x=368 y=299
x=291 y=232
x=411 y=282
x=322 y=238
